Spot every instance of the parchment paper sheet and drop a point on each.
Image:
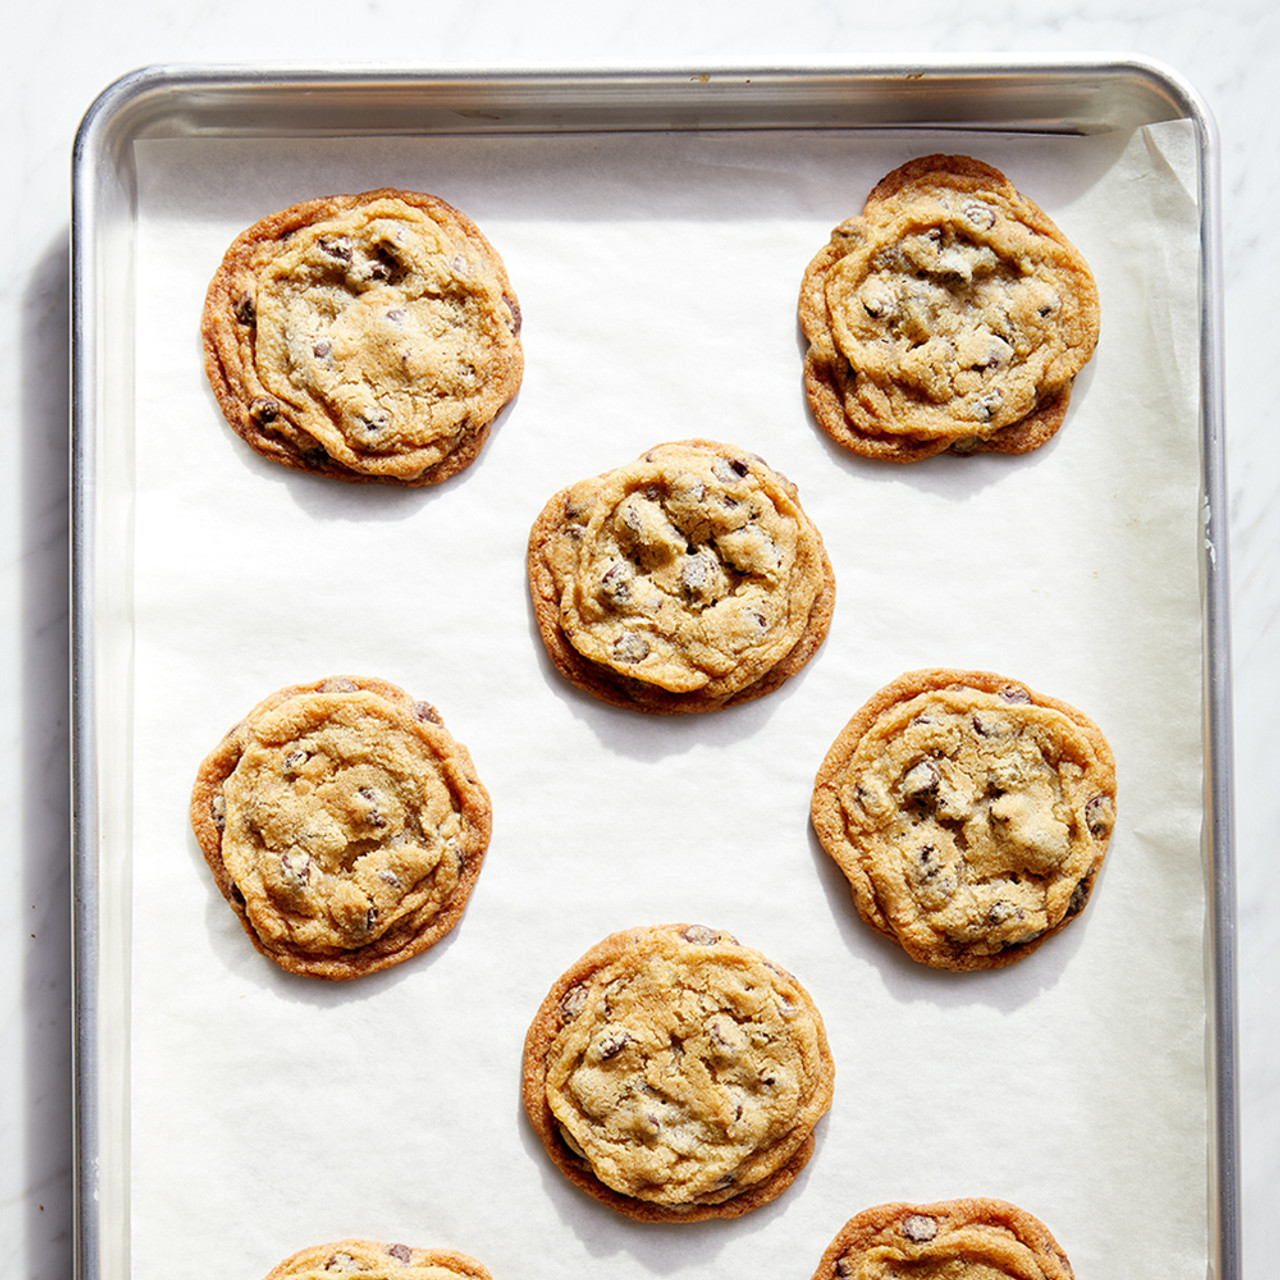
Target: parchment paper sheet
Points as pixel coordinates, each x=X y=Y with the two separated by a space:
x=658 y=278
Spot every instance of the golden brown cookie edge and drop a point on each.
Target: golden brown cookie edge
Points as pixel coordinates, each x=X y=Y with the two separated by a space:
x=824 y=380
x=395 y=946
x=826 y=815
x=542 y=1032
x=311 y=1258
x=612 y=687
x=235 y=385
x=827 y=373
x=865 y=1228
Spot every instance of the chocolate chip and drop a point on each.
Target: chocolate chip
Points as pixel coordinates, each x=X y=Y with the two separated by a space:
x=264 y=409
x=613 y=1043
x=730 y=470
x=374 y=421
x=297 y=867
x=396 y=315
x=295 y=760
x=341 y=1262
x=723 y=1041
x=401 y=1253
x=373 y=817
x=630 y=647
x=573 y=1002
x=1015 y=693
x=218 y=811
x=1021 y=940
x=386 y=266
x=245 y=311
x=700 y=935
x=998 y=353
x=338 y=684
x=516 y=318
x=337 y=247
x=1100 y=816
x=426 y=712
x=1002 y=911
x=932 y=883
x=919 y=1227
x=1079 y=896
x=921 y=780
x=616 y=582
x=988 y=404
x=321 y=348
x=980 y=215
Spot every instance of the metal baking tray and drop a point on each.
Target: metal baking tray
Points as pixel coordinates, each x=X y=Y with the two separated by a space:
x=1028 y=102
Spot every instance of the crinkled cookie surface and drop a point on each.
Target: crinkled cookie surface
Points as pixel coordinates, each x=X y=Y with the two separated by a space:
x=969 y=814
x=364 y=337
x=952 y=314
x=971 y=1239
x=685 y=581
x=344 y=824
x=375 y=1261
x=677 y=1075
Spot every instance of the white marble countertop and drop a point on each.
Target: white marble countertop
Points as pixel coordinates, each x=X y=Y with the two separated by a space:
x=56 y=63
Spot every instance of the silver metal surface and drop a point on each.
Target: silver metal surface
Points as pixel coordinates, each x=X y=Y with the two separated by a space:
x=1053 y=97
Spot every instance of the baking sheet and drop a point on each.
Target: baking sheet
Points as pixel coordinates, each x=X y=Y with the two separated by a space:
x=657 y=275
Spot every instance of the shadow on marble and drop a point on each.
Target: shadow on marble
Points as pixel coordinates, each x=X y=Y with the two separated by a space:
x=45 y=718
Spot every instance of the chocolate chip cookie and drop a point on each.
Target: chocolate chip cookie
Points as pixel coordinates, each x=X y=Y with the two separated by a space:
x=970 y=815
x=951 y=314
x=677 y=1075
x=976 y=1239
x=377 y=1261
x=688 y=580
x=370 y=337
x=344 y=824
